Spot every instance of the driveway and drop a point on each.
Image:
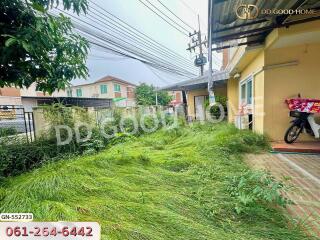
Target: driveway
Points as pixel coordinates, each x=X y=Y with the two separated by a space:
x=304 y=172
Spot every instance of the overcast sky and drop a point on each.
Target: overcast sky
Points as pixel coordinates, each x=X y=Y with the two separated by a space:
x=101 y=64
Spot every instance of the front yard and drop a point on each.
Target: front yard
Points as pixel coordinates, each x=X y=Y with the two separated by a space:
x=166 y=185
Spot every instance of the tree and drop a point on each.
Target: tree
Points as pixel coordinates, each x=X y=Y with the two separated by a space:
x=146 y=95
x=36 y=47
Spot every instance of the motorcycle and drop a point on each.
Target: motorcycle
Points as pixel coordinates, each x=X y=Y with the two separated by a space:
x=302 y=121
x=303 y=111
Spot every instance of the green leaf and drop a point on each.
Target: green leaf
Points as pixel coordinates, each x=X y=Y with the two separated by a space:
x=38 y=7
x=26 y=46
x=10 y=42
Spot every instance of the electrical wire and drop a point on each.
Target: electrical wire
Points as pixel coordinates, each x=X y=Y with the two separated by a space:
x=155 y=12
x=126 y=34
x=134 y=51
x=110 y=49
x=175 y=15
x=154 y=64
x=120 y=40
x=142 y=47
x=191 y=9
x=136 y=31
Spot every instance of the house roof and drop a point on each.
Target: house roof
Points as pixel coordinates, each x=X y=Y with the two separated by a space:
x=218 y=77
x=107 y=79
x=111 y=78
x=228 y=29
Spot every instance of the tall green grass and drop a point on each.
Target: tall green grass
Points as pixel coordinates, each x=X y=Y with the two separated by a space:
x=166 y=185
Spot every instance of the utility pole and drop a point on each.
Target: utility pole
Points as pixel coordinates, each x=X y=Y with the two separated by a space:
x=212 y=99
x=200 y=46
x=200 y=60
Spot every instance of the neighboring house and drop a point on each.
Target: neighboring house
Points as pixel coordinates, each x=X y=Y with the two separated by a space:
x=10 y=96
x=14 y=96
x=122 y=92
x=176 y=98
x=30 y=98
x=197 y=94
x=277 y=58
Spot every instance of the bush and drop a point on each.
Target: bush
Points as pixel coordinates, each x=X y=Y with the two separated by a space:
x=8 y=131
x=252 y=188
x=215 y=111
x=20 y=156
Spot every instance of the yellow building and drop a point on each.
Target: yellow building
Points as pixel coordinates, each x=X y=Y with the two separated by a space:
x=276 y=58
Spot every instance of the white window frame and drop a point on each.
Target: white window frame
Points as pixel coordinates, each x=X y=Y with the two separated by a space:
x=114 y=87
x=102 y=86
x=69 y=92
x=242 y=82
x=247 y=106
x=80 y=92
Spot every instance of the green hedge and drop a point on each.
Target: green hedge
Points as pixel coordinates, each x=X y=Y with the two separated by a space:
x=7 y=131
x=18 y=156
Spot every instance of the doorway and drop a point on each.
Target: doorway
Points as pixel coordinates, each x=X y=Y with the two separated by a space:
x=199 y=107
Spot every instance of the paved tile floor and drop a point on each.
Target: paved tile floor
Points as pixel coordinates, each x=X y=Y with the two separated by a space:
x=304 y=172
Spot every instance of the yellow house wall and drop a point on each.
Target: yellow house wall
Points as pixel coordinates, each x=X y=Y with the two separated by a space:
x=222 y=91
x=233 y=99
x=273 y=85
x=259 y=100
x=286 y=82
x=254 y=68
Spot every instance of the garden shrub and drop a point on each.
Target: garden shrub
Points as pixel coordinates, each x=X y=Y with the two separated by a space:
x=215 y=110
x=20 y=156
x=252 y=188
x=8 y=131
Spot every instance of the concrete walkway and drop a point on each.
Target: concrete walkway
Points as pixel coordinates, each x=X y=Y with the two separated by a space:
x=304 y=172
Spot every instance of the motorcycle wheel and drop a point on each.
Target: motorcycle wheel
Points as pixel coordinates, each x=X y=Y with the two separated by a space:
x=292 y=133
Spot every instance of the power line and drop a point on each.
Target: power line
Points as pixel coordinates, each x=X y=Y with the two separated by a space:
x=167 y=16
x=166 y=67
x=137 y=32
x=153 y=70
x=170 y=71
x=127 y=34
x=165 y=19
x=191 y=9
x=158 y=76
x=175 y=14
x=94 y=57
x=144 y=59
x=163 y=61
x=112 y=43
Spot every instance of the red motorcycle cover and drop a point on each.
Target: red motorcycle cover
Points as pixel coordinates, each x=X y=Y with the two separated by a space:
x=304 y=105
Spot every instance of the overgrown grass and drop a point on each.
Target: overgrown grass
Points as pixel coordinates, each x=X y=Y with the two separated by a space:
x=167 y=185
